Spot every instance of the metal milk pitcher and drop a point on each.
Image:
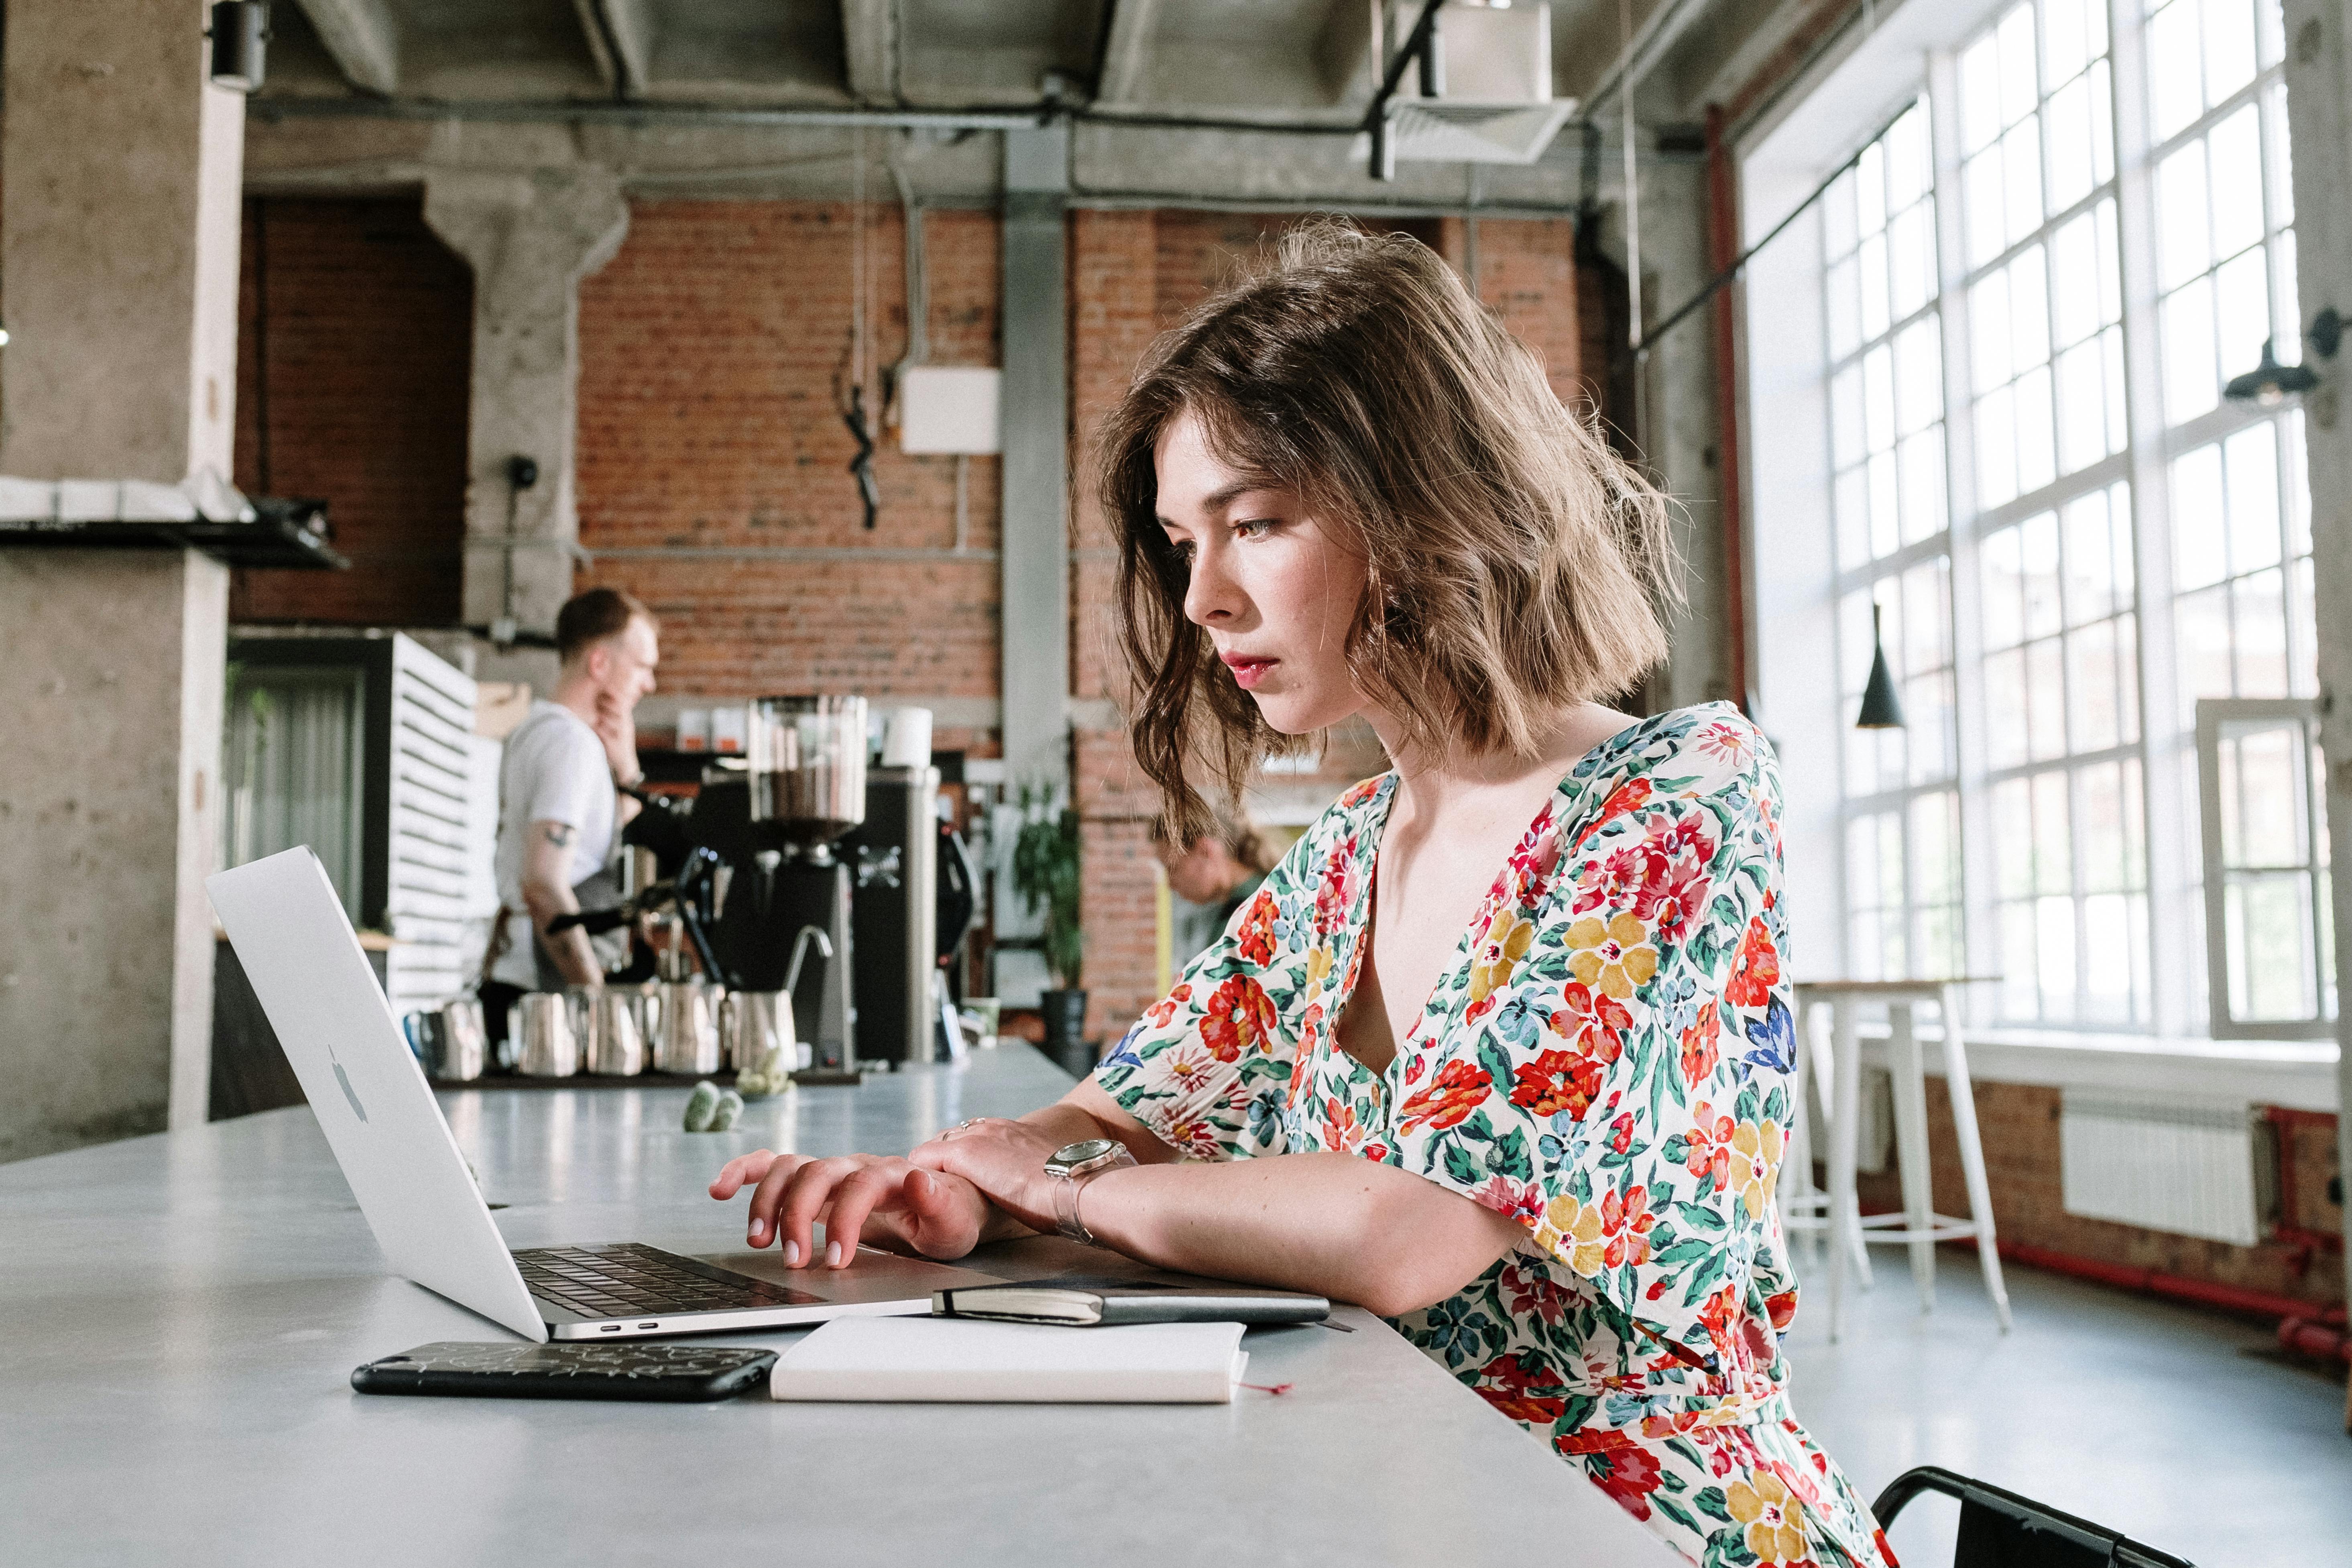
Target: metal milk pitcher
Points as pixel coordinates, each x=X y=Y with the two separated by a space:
x=613 y=1046
x=547 y=1046
x=462 y=1044
x=752 y=1021
x=688 y=1039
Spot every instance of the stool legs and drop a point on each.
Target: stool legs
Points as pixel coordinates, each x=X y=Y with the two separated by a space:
x=1911 y=1151
x=1845 y=1150
x=1972 y=1165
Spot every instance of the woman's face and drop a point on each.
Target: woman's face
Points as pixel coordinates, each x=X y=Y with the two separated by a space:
x=1275 y=590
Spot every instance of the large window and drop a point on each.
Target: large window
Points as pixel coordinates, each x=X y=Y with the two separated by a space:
x=2039 y=490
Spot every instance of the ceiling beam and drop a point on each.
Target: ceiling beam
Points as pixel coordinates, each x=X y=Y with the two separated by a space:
x=869 y=41
x=1127 y=51
x=363 y=39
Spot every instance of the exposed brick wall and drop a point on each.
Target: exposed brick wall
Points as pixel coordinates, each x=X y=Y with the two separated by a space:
x=355 y=344
x=2019 y=1126
x=709 y=351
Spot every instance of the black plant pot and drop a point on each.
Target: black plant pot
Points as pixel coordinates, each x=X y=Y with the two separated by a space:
x=1065 y=1031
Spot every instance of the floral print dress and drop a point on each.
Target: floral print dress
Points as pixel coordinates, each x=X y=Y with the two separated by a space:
x=1607 y=1060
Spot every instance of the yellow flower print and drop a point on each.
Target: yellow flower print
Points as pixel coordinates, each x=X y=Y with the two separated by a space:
x=1756 y=1165
x=1506 y=942
x=1575 y=1231
x=1615 y=958
x=1762 y=1503
x=1318 y=968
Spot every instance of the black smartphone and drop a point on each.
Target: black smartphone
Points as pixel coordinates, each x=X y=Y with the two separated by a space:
x=642 y=1370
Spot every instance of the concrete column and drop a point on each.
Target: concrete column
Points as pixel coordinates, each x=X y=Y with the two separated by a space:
x=119 y=241
x=1036 y=613
x=530 y=237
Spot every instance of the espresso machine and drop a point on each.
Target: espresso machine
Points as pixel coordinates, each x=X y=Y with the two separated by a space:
x=806 y=790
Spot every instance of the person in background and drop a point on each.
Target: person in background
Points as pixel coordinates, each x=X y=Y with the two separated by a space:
x=560 y=800
x=1212 y=878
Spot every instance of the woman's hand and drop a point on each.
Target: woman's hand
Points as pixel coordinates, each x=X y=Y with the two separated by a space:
x=929 y=1212
x=1004 y=1160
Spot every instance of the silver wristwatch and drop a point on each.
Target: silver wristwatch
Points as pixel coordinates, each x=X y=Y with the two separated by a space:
x=1072 y=1166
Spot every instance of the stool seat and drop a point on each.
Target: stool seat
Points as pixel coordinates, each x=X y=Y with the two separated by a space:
x=1918 y=1226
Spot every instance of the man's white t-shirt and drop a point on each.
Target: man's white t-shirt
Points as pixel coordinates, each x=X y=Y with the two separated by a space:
x=555 y=769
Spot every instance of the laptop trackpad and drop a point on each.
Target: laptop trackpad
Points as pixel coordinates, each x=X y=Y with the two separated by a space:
x=875 y=1276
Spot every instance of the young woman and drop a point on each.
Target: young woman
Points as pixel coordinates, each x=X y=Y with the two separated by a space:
x=1501 y=1049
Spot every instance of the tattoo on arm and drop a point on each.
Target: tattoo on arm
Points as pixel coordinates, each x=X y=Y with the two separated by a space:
x=558 y=834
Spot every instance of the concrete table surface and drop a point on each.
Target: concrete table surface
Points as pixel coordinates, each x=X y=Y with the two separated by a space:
x=182 y=1313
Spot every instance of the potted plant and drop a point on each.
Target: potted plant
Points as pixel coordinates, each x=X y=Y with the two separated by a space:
x=1045 y=875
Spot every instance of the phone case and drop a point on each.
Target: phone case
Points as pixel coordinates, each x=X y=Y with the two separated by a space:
x=639 y=1370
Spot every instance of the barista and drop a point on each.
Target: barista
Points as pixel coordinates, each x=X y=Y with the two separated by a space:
x=560 y=802
x=1211 y=878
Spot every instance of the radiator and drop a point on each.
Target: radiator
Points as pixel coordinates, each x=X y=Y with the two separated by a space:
x=2193 y=1168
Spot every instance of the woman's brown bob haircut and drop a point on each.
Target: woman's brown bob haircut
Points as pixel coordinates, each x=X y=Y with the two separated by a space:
x=1516 y=564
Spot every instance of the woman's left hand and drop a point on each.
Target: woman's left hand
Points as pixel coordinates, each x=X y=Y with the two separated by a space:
x=1005 y=1158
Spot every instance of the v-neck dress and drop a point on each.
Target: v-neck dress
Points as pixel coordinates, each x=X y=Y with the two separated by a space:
x=1607 y=1060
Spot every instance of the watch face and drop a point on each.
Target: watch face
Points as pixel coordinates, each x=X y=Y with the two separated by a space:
x=1070 y=1155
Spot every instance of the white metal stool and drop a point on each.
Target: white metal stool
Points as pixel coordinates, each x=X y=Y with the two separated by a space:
x=1918 y=1226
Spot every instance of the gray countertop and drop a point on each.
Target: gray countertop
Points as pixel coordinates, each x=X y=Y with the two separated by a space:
x=182 y=1313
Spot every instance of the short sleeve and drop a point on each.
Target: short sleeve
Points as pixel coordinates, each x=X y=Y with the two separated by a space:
x=1208 y=1068
x=1616 y=1054
x=564 y=766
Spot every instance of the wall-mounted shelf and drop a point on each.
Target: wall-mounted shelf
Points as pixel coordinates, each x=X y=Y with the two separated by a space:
x=283 y=533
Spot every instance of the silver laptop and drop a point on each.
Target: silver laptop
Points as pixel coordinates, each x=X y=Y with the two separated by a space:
x=387 y=1133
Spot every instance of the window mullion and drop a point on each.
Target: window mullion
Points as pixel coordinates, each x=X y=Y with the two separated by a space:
x=2166 y=818
x=1979 y=927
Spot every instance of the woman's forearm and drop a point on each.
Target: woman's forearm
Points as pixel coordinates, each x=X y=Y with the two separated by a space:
x=1330 y=1224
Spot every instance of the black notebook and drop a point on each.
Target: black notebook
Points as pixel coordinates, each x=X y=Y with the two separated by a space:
x=1089 y=1303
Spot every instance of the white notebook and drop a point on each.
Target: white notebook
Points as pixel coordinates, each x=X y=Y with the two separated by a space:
x=949 y=1360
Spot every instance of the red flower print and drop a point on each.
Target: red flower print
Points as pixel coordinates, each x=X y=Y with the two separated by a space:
x=1621 y=1133
x=1685 y=833
x=1159 y=1012
x=1628 y=1474
x=1240 y=1019
x=1377 y=1154
x=1595 y=1021
x=1699 y=1046
x=1625 y=1221
x=1531 y=1293
x=1782 y=1308
x=1707 y=1147
x=1533 y=862
x=1521 y=1391
x=1195 y=1134
x=1341 y=1131
x=1626 y=797
x=1721 y=1309
x=1733 y=743
x=1556 y=1081
x=1756 y=969
x=1255 y=940
x=1521 y=1200
x=1447 y=1100
x=1359 y=793
x=1673 y=897
x=1332 y=889
x=1615 y=880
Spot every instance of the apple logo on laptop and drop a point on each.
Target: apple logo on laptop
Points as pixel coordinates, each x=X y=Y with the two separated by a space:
x=349 y=1093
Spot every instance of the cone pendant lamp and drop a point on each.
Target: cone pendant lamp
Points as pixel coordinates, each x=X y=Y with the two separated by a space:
x=1881 y=708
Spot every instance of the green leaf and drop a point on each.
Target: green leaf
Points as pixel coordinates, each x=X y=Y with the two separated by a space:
x=1463 y=1167
x=1699 y=1218
x=1710 y=1501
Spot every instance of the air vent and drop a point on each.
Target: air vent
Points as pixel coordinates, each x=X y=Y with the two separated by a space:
x=1495 y=103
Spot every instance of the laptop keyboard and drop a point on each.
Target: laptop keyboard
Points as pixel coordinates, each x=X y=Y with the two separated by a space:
x=629 y=1279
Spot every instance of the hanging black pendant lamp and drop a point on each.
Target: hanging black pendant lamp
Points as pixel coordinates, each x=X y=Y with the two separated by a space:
x=1881 y=708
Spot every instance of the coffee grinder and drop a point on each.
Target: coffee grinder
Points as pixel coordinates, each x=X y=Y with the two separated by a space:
x=807 y=778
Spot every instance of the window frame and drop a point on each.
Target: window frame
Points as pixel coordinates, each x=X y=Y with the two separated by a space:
x=1794 y=151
